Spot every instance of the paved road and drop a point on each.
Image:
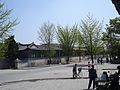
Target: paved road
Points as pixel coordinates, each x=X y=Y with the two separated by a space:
x=25 y=74
x=48 y=78
x=54 y=71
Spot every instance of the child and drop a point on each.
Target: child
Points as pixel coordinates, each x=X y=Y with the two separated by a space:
x=79 y=71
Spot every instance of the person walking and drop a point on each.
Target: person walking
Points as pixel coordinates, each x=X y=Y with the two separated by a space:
x=75 y=71
x=118 y=68
x=98 y=60
x=101 y=60
x=92 y=77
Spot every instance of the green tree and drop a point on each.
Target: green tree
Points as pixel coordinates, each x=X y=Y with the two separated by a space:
x=67 y=38
x=10 y=50
x=6 y=23
x=79 y=43
x=91 y=31
x=46 y=35
x=112 y=38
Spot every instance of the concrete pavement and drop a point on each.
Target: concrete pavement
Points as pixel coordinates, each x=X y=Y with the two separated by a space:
x=49 y=78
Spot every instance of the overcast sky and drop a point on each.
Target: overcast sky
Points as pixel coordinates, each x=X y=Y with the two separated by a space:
x=33 y=13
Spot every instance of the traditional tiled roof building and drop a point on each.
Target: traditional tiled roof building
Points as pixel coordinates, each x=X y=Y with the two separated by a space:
x=33 y=51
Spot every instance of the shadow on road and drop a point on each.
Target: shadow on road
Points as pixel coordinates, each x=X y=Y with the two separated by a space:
x=78 y=65
x=34 y=80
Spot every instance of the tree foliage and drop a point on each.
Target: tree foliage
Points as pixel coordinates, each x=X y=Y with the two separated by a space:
x=6 y=23
x=67 y=39
x=79 y=44
x=112 y=38
x=10 y=50
x=91 y=31
x=46 y=35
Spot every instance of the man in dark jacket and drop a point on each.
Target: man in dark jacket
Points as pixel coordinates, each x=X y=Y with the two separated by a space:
x=114 y=78
x=92 y=77
x=117 y=5
x=75 y=71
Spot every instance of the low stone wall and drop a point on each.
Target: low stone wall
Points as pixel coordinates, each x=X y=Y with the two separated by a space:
x=38 y=62
x=32 y=63
x=41 y=62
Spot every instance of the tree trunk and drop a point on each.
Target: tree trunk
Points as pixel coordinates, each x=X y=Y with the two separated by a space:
x=79 y=55
x=91 y=51
x=67 y=60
